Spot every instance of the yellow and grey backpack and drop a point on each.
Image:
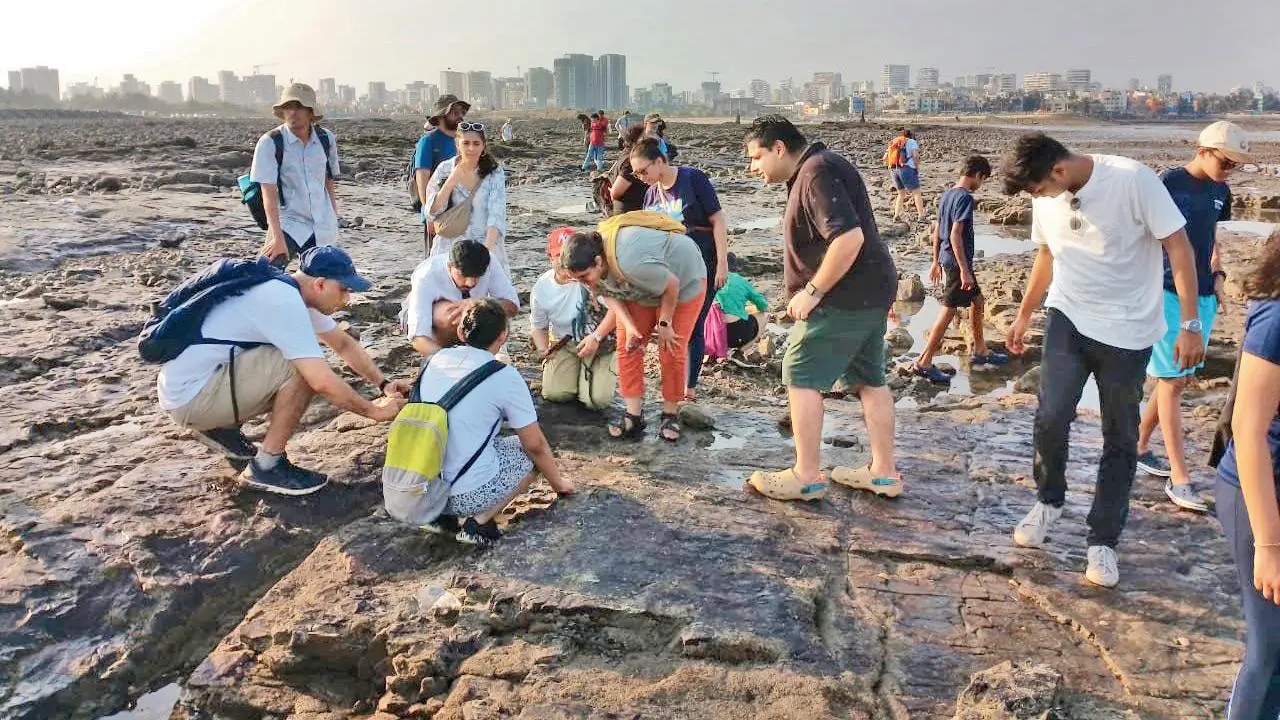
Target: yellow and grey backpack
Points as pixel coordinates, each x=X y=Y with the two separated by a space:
x=413 y=487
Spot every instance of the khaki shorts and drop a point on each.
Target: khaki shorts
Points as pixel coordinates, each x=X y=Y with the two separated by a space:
x=593 y=382
x=260 y=373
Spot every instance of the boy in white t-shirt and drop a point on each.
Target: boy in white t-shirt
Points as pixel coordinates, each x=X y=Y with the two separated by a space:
x=1100 y=222
x=505 y=466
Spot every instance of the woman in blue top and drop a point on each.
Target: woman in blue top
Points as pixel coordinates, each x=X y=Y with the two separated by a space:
x=1247 y=492
x=686 y=195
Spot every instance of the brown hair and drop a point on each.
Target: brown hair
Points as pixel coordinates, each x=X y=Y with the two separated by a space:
x=1264 y=282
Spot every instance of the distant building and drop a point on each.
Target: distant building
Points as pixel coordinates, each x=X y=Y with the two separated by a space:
x=895 y=78
x=327 y=91
x=576 y=82
x=259 y=90
x=453 y=83
x=859 y=87
x=39 y=80
x=1135 y=84
x=378 y=96
x=347 y=94
x=170 y=92
x=539 y=87
x=611 y=81
x=1005 y=84
x=79 y=90
x=15 y=81
x=130 y=85
x=1043 y=82
x=200 y=90
x=709 y=93
x=229 y=90
x=1164 y=84
x=760 y=92
x=1114 y=102
x=480 y=89
x=420 y=95
x=927 y=78
x=1079 y=80
x=662 y=95
x=509 y=93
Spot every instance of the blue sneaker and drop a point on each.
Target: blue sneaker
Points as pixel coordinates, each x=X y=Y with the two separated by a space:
x=283 y=479
x=932 y=374
x=1152 y=465
x=991 y=358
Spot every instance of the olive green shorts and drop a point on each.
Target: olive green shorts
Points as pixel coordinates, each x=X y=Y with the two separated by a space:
x=834 y=344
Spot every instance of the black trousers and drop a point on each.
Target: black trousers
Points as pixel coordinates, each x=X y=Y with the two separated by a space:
x=1069 y=359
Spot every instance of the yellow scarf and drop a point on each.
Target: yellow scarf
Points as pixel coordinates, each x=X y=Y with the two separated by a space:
x=651 y=219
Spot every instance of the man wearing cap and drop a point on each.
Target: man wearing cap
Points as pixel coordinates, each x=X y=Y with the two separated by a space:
x=1200 y=191
x=442 y=288
x=297 y=192
x=572 y=332
x=211 y=394
x=434 y=147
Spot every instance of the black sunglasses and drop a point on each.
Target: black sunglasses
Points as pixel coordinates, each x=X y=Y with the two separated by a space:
x=1076 y=220
x=471 y=126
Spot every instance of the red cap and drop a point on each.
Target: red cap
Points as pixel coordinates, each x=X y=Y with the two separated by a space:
x=556 y=239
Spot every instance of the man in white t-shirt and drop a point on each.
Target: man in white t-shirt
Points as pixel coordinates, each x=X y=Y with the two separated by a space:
x=443 y=286
x=505 y=466
x=212 y=388
x=1100 y=222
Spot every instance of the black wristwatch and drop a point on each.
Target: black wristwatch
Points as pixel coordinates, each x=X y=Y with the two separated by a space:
x=382 y=386
x=664 y=323
x=1220 y=274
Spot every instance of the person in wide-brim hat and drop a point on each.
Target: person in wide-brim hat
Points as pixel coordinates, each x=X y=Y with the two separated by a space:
x=302 y=94
x=444 y=110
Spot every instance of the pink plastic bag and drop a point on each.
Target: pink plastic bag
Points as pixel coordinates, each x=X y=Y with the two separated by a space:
x=715 y=333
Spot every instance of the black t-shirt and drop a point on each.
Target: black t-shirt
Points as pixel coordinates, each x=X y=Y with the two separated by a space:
x=633 y=198
x=827 y=198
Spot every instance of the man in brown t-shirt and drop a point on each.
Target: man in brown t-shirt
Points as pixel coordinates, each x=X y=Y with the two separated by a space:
x=842 y=283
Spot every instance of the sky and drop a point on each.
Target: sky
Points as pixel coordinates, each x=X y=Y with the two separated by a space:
x=1205 y=46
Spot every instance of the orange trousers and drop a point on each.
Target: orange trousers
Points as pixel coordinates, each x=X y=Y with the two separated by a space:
x=674 y=363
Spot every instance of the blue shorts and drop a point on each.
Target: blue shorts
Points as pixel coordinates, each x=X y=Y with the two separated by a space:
x=1162 y=364
x=906 y=178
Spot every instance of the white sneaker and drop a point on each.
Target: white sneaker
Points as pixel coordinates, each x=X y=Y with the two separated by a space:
x=1033 y=529
x=1102 y=566
x=1185 y=496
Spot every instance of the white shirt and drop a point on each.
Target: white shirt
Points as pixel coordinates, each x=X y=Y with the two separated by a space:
x=1108 y=277
x=488 y=210
x=508 y=132
x=503 y=396
x=307 y=209
x=554 y=306
x=432 y=283
x=272 y=313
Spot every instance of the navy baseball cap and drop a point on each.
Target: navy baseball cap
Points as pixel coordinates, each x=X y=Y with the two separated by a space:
x=332 y=262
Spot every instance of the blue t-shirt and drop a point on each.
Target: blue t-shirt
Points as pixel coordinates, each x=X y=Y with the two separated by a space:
x=433 y=148
x=1204 y=203
x=1261 y=339
x=955 y=206
x=691 y=200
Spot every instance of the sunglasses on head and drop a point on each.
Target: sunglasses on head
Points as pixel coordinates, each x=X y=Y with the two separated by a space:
x=1077 y=221
x=471 y=126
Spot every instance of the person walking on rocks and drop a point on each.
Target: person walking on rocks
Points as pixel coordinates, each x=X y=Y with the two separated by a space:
x=434 y=147
x=472 y=176
x=268 y=360
x=953 y=251
x=1201 y=193
x=1099 y=222
x=441 y=289
x=598 y=134
x=297 y=192
x=903 y=160
x=651 y=275
x=623 y=124
x=572 y=330
x=482 y=484
x=688 y=197
x=841 y=282
x=1247 y=490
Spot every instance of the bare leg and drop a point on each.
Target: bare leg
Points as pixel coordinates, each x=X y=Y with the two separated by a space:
x=492 y=512
x=1169 y=401
x=877 y=408
x=806 y=426
x=936 y=335
x=977 y=314
x=897 y=204
x=1150 y=421
x=919 y=204
x=286 y=412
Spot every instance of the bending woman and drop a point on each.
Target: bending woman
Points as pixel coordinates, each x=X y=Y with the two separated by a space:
x=473 y=173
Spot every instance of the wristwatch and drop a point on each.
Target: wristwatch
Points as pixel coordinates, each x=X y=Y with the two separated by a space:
x=1220 y=274
x=382 y=386
x=1193 y=325
x=664 y=323
x=597 y=338
x=812 y=289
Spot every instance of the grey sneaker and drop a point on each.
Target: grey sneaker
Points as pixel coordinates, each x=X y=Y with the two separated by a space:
x=1185 y=496
x=1152 y=465
x=1034 y=528
x=1102 y=567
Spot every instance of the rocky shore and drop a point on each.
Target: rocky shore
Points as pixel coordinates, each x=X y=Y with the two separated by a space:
x=129 y=559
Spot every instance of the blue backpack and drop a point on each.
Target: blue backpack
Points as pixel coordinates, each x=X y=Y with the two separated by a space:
x=251 y=192
x=176 y=323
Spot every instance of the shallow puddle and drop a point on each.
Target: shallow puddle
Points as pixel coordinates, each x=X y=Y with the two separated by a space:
x=156 y=705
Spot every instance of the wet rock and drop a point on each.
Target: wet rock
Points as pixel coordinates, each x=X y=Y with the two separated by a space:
x=694 y=416
x=234 y=160
x=1006 y=692
x=899 y=340
x=193 y=188
x=65 y=302
x=1016 y=211
x=1028 y=382
x=910 y=287
x=108 y=184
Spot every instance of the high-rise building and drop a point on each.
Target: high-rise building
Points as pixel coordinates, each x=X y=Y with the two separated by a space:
x=1004 y=84
x=453 y=83
x=611 y=81
x=709 y=93
x=79 y=90
x=378 y=95
x=862 y=86
x=15 y=81
x=760 y=92
x=895 y=78
x=259 y=90
x=827 y=87
x=927 y=78
x=170 y=92
x=229 y=88
x=1043 y=82
x=327 y=91
x=1164 y=84
x=1135 y=84
x=508 y=93
x=420 y=95
x=576 y=82
x=130 y=85
x=40 y=80
x=200 y=90
x=1079 y=79
x=642 y=99
x=539 y=86
x=662 y=95
x=480 y=89
x=347 y=94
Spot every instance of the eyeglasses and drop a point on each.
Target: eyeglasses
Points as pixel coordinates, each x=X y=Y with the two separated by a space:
x=1226 y=162
x=641 y=170
x=1077 y=219
x=471 y=126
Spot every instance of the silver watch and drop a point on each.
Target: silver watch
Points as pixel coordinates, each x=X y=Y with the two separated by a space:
x=1193 y=325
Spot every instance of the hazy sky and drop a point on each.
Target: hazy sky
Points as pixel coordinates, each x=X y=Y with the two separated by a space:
x=1212 y=46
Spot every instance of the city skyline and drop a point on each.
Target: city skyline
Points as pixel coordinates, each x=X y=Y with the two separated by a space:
x=382 y=41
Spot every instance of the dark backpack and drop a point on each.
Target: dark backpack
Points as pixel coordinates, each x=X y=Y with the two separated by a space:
x=411 y=172
x=251 y=192
x=176 y=323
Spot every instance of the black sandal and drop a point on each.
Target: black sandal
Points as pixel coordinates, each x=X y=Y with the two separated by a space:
x=670 y=423
x=628 y=433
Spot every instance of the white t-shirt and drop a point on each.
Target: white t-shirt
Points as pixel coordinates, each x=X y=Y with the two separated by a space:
x=271 y=313
x=503 y=395
x=554 y=306
x=431 y=283
x=1108 y=277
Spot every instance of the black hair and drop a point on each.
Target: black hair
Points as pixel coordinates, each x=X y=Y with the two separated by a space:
x=487 y=163
x=648 y=149
x=906 y=132
x=580 y=251
x=1030 y=161
x=632 y=136
x=595 y=115
x=1264 y=282
x=769 y=129
x=975 y=165
x=482 y=323
x=734 y=263
x=470 y=258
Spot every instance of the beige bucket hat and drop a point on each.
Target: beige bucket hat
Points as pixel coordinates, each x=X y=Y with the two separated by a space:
x=300 y=93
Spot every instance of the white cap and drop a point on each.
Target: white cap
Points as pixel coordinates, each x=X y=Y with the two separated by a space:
x=1229 y=138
